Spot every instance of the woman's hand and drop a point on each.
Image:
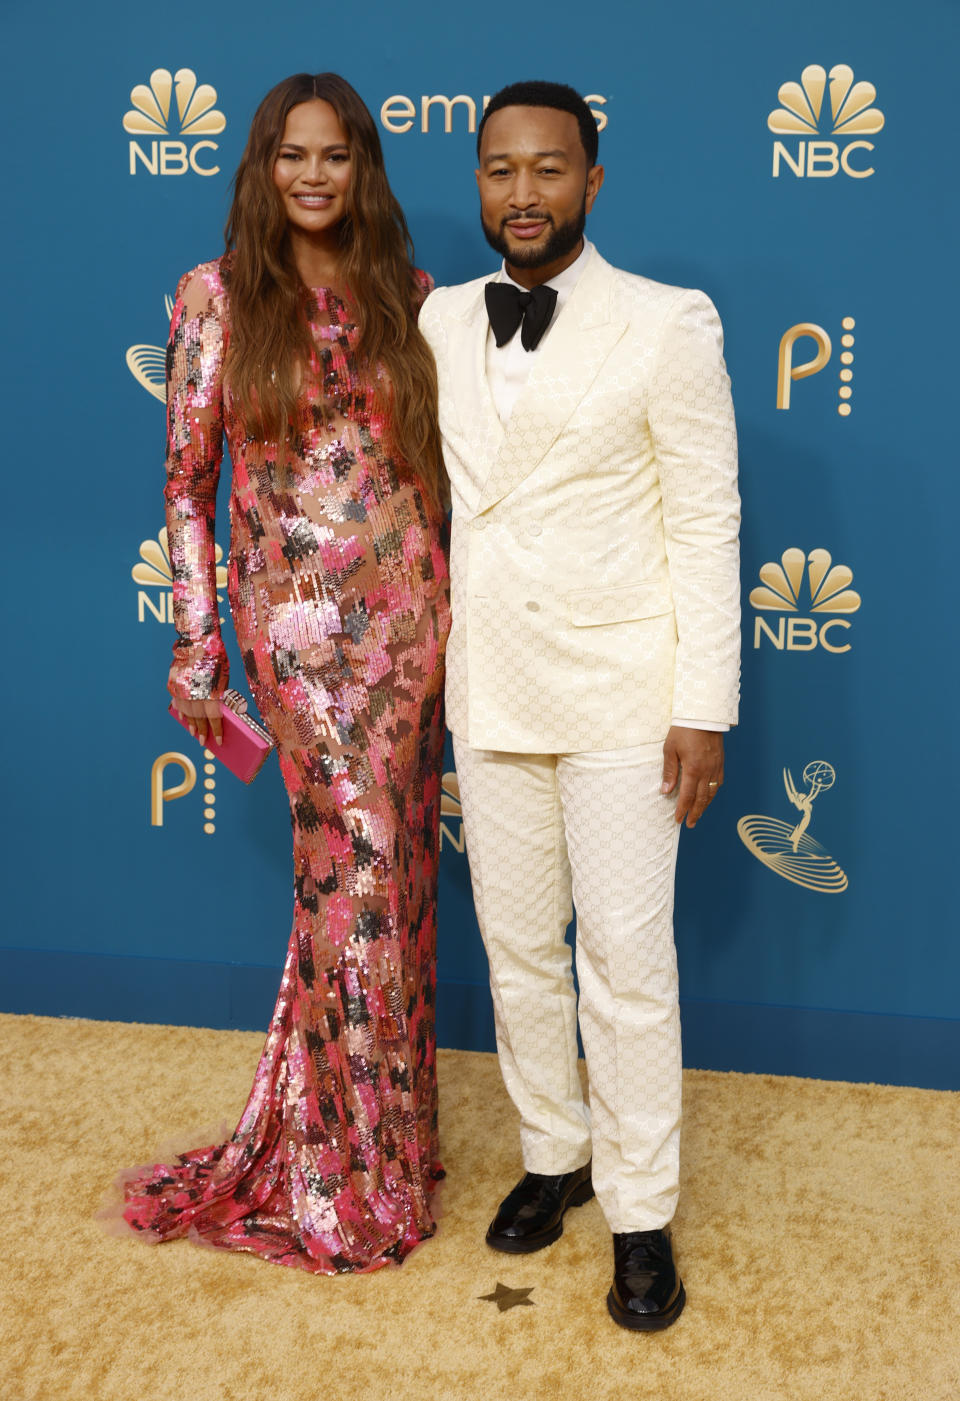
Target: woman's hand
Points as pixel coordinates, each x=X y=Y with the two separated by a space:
x=203 y=716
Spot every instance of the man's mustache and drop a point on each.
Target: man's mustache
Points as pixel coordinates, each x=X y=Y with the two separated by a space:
x=525 y=219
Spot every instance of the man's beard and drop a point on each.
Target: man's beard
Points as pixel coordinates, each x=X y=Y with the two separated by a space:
x=562 y=239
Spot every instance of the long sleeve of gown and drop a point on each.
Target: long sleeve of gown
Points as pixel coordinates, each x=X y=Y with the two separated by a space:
x=194 y=450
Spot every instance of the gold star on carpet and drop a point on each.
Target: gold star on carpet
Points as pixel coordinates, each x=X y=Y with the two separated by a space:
x=505 y=1298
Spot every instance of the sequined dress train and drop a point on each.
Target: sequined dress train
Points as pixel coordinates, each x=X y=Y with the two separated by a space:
x=338 y=588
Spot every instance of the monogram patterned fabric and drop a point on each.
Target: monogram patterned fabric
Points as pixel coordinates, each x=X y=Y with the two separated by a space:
x=595 y=562
x=339 y=592
x=540 y=828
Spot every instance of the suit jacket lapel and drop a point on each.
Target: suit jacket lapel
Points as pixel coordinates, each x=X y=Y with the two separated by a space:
x=575 y=348
x=474 y=409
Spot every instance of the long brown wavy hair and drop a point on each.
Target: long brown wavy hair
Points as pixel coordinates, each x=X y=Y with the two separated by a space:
x=270 y=341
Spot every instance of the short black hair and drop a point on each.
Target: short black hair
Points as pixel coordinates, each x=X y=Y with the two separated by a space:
x=540 y=94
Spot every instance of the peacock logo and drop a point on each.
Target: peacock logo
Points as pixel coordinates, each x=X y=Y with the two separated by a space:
x=851 y=104
x=811 y=583
x=153 y=116
x=154 y=570
x=849 y=112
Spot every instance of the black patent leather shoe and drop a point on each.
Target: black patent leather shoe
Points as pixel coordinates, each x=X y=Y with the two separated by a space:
x=532 y=1215
x=646 y=1291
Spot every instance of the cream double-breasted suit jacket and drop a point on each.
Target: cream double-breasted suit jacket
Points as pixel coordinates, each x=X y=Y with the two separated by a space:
x=594 y=558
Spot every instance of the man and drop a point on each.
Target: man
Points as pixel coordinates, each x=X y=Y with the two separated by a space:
x=593 y=663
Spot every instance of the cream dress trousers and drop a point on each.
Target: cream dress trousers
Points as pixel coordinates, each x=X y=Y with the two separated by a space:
x=595 y=594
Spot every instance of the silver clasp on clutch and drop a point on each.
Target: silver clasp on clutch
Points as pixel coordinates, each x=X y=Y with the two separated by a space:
x=236 y=702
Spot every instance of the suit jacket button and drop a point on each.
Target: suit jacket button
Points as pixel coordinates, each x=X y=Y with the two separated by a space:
x=533 y=607
x=479 y=523
x=534 y=528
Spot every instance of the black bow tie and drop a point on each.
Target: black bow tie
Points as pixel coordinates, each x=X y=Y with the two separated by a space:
x=507 y=306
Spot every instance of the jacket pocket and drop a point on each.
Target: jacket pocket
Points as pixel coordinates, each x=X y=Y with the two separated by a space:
x=593 y=607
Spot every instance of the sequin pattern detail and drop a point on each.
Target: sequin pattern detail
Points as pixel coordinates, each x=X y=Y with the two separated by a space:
x=338 y=588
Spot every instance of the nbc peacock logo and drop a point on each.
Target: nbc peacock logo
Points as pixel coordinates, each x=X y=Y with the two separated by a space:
x=786 y=847
x=849 y=112
x=148 y=363
x=154 y=571
x=811 y=583
x=154 y=116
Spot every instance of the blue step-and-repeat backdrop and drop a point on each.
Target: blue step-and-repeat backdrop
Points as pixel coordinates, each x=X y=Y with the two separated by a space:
x=793 y=161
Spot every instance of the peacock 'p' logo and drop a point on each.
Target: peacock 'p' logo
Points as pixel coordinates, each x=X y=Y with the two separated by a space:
x=809 y=583
x=824 y=106
x=173 y=106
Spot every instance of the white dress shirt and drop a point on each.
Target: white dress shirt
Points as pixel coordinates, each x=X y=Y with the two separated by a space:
x=508 y=369
x=509 y=366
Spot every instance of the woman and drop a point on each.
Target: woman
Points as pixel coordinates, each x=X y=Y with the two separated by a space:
x=301 y=345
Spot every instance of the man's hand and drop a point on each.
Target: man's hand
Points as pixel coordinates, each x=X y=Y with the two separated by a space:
x=696 y=758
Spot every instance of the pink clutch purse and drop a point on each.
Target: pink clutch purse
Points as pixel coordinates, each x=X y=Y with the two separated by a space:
x=245 y=745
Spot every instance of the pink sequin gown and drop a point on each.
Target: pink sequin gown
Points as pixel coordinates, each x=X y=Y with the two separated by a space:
x=338 y=588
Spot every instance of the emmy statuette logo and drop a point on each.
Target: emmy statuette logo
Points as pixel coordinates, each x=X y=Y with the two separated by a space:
x=788 y=371
x=195 y=116
x=185 y=773
x=803 y=114
x=399 y=114
x=788 y=849
x=781 y=590
x=450 y=808
x=148 y=363
x=154 y=570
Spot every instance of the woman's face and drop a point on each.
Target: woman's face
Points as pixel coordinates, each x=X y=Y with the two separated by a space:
x=312 y=170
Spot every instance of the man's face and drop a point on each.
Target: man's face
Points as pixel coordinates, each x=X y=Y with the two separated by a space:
x=535 y=188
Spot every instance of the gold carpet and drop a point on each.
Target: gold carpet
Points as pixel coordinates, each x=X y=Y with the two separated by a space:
x=817 y=1237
